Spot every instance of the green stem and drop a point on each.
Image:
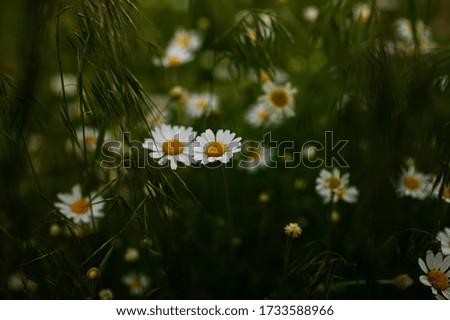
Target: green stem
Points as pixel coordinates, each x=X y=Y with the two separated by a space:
x=287 y=249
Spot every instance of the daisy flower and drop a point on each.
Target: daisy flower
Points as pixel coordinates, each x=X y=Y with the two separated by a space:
x=259 y=115
x=201 y=104
x=279 y=99
x=331 y=186
x=347 y=194
x=137 y=282
x=404 y=30
x=174 y=57
x=90 y=138
x=255 y=158
x=171 y=144
x=444 y=238
x=212 y=147
x=78 y=208
x=186 y=39
x=413 y=184
x=437 y=273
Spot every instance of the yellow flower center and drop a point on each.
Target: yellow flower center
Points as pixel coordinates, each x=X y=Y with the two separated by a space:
x=263 y=115
x=79 y=206
x=135 y=284
x=438 y=279
x=174 y=61
x=279 y=98
x=341 y=193
x=89 y=139
x=411 y=182
x=183 y=40
x=172 y=147
x=202 y=104
x=333 y=183
x=215 y=149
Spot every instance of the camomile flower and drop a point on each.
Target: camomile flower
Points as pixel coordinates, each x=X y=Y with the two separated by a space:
x=413 y=184
x=137 y=282
x=279 y=98
x=259 y=115
x=186 y=39
x=347 y=194
x=89 y=138
x=174 y=57
x=444 y=238
x=171 y=144
x=200 y=104
x=212 y=147
x=437 y=273
x=328 y=183
x=404 y=30
x=78 y=208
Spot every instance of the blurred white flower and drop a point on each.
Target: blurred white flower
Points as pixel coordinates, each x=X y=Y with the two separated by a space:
x=137 y=282
x=279 y=99
x=78 y=208
x=310 y=13
x=413 y=184
x=70 y=84
x=200 y=104
x=187 y=39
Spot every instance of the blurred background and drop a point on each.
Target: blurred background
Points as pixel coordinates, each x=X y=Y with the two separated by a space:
x=76 y=74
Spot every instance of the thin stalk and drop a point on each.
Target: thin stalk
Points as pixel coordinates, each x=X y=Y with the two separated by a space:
x=287 y=249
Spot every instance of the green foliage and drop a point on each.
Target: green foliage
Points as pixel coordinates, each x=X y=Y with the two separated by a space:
x=204 y=232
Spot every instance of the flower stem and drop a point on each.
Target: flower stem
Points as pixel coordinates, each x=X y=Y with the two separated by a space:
x=287 y=249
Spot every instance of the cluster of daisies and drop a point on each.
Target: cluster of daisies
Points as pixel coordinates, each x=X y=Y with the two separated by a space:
x=332 y=187
x=177 y=145
x=180 y=49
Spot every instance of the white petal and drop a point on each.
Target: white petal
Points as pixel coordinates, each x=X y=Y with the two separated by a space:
x=210 y=135
x=445 y=264
x=173 y=164
x=424 y=280
x=446 y=294
x=76 y=191
x=430 y=260
x=423 y=266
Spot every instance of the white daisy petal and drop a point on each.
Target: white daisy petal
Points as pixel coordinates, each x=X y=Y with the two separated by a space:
x=430 y=260
x=424 y=280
